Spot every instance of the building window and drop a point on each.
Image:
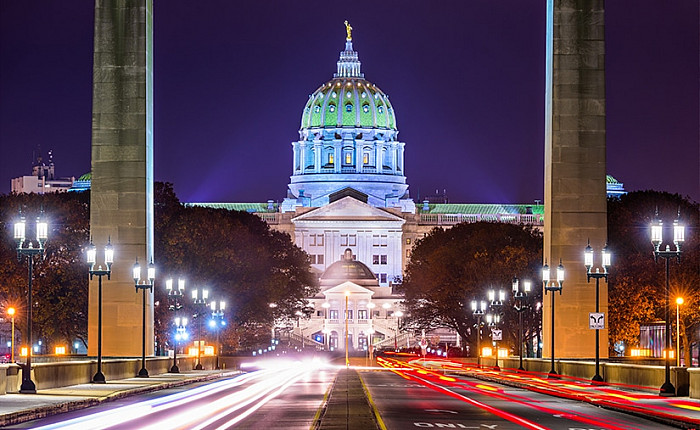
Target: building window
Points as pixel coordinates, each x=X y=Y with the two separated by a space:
x=348 y=314
x=352 y=240
x=348 y=107
x=408 y=241
x=312 y=259
x=383 y=259
x=362 y=314
x=319 y=313
x=375 y=259
x=348 y=158
x=319 y=259
x=343 y=240
x=383 y=241
x=330 y=158
x=382 y=278
x=333 y=314
x=365 y=108
x=380 y=109
x=375 y=240
x=365 y=158
x=319 y=239
x=317 y=109
x=408 y=253
x=312 y=240
x=331 y=108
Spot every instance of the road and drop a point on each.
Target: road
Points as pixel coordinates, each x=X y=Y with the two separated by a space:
x=410 y=399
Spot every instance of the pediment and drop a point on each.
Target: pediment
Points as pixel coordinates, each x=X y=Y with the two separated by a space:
x=347 y=287
x=347 y=209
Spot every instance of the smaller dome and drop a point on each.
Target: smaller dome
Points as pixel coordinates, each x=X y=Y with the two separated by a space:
x=347 y=269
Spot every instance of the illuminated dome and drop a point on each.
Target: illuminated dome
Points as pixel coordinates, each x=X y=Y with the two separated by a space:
x=347 y=269
x=348 y=139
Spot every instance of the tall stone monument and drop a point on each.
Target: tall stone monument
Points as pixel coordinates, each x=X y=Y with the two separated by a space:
x=121 y=206
x=575 y=196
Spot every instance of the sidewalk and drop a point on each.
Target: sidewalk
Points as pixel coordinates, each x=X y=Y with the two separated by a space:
x=17 y=408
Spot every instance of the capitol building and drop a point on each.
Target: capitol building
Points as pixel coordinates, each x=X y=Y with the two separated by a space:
x=348 y=206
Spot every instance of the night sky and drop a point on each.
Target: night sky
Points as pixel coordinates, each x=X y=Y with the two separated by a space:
x=465 y=77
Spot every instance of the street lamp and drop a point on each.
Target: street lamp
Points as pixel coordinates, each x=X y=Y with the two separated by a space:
x=520 y=293
x=11 y=313
x=200 y=304
x=143 y=286
x=41 y=230
x=175 y=304
x=398 y=315
x=553 y=286
x=496 y=303
x=217 y=321
x=99 y=377
x=667 y=389
x=679 y=301
x=478 y=309
x=493 y=320
x=180 y=334
x=588 y=262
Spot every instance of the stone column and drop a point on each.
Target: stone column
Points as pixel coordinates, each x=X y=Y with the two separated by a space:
x=121 y=206
x=317 y=157
x=575 y=195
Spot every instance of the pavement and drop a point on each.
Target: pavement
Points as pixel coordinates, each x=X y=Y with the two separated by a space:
x=18 y=408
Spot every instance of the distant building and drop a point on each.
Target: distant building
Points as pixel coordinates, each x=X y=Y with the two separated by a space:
x=42 y=179
x=614 y=187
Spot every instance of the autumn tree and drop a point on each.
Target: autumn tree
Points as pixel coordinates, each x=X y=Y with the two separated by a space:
x=449 y=268
x=637 y=283
x=236 y=256
x=60 y=284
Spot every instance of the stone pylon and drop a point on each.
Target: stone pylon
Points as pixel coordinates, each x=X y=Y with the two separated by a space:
x=121 y=206
x=575 y=194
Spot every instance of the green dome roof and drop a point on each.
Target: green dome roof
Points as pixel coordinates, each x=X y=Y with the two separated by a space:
x=348 y=102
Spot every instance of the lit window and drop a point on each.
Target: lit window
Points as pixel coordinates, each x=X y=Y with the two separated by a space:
x=348 y=107
x=330 y=158
x=362 y=314
x=348 y=94
x=408 y=253
x=317 y=109
x=331 y=108
x=365 y=108
x=333 y=314
x=348 y=158
x=365 y=158
x=408 y=241
x=380 y=109
x=375 y=259
x=334 y=95
x=364 y=94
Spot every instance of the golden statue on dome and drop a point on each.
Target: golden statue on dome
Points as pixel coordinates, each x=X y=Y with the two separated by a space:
x=348 y=29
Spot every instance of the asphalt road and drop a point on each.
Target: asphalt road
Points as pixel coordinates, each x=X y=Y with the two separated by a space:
x=285 y=397
x=423 y=401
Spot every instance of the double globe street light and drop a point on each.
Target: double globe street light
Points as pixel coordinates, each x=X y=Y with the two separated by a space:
x=26 y=247
x=143 y=286
x=200 y=304
x=99 y=377
x=657 y=226
x=588 y=262
x=175 y=304
x=553 y=286
x=478 y=310
x=495 y=319
x=520 y=293
x=217 y=322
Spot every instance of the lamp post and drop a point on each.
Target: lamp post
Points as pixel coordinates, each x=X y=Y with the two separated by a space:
x=520 y=293
x=41 y=230
x=180 y=334
x=11 y=313
x=496 y=303
x=667 y=389
x=200 y=304
x=588 y=262
x=175 y=304
x=553 y=286
x=679 y=301
x=143 y=286
x=478 y=309
x=99 y=377
x=493 y=320
x=217 y=321
x=398 y=315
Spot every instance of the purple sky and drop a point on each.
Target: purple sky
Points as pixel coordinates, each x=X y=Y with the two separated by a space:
x=466 y=79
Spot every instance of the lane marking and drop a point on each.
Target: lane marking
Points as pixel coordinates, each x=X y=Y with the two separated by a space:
x=380 y=422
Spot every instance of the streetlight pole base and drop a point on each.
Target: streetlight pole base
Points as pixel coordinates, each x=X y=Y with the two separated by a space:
x=99 y=378
x=143 y=373
x=553 y=374
x=28 y=387
x=667 y=390
x=199 y=367
x=597 y=378
x=174 y=369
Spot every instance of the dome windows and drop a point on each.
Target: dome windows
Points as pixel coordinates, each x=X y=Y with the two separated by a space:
x=380 y=109
x=317 y=109
x=348 y=107
x=348 y=94
x=364 y=94
x=331 y=108
x=365 y=108
x=334 y=95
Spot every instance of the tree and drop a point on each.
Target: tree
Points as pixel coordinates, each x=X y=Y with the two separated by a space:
x=60 y=282
x=236 y=255
x=449 y=268
x=637 y=283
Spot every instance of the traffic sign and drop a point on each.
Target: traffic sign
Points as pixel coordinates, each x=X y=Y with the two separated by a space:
x=596 y=320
